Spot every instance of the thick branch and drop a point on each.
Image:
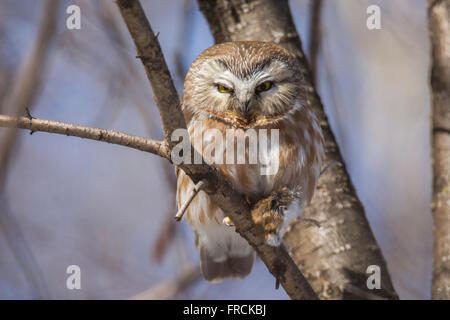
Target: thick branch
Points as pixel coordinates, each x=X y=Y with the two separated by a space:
x=76 y=130
x=340 y=251
x=149 y=51
x=439 y=27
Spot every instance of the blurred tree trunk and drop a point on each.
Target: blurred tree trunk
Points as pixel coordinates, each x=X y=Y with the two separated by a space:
x=439 y=27
x=335 y=256
x=314 y=37
x=23 y=93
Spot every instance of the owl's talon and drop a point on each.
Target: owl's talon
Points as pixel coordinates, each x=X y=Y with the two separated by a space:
x=280 y=211
x=277 y=283
x=227 y=221
x=278 y=207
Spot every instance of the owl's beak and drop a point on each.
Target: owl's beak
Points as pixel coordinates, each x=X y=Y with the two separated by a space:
x=245 y=109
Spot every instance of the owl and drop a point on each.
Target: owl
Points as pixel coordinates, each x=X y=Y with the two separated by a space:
x=240 y=87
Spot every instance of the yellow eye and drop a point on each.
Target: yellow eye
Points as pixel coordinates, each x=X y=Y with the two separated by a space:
x=224 y=89
x=264 y=86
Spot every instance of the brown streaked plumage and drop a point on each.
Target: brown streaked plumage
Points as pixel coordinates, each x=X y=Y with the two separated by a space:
x=242 y=86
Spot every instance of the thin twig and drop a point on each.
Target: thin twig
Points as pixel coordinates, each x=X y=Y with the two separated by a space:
x=76 y=130
x=170 y=288
x=197 y=188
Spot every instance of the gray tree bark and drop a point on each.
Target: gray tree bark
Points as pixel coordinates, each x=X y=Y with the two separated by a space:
x=336 y=256
x=439 y=28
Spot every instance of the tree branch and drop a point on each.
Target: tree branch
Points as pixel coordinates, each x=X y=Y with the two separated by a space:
x=76 y=130
x=439 y=28
x=170 y=288
x=149 y=51
x=340 y=251
x=197 y=188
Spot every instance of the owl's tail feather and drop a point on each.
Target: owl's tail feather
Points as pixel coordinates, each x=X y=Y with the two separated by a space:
x=233 y=266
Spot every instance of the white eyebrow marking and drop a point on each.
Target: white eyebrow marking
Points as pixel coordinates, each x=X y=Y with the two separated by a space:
x=229 y=79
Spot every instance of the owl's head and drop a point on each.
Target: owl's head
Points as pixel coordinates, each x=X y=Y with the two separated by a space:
x=242 y=80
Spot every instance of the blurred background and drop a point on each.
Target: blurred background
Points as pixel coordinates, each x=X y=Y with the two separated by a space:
x=108 y=209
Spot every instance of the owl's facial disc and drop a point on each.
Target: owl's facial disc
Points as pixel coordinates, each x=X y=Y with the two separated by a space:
x=265 y=91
